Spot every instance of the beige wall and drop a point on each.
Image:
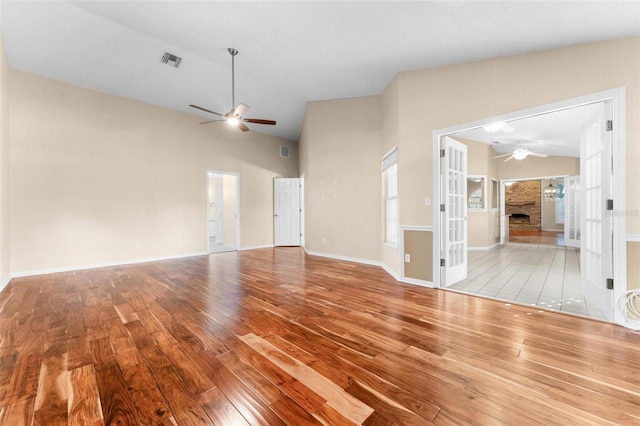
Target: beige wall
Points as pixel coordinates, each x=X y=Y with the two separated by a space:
x=536 y=167
x=4 y=166
x=417 y=103
x=633 y=265
x=99 y=179
x=417 y=244
x=440 y=98
x=342 y=177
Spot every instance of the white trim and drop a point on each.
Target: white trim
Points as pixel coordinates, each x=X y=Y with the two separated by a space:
x=414 y=281
x=485 y=248
x=104 y=265
x=633 y=324
x=401 y=251
x=303 y=212
x=618 y=98
x=395 y=148
x=633 y=238
x=255 y=247
x=5 y=281
x=382 y=265
x=389 y=271
x=237 y=175
x=347 y=258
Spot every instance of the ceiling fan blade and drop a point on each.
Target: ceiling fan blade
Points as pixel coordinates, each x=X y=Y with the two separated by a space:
x=240 y=110
x=205 y=110
x=259 y=121
x=535 y=154
x=503 y=155
x=508 y=158
x=243 y=127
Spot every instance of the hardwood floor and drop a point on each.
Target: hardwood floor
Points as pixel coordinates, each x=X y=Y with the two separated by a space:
x=273 y=336
x=554 y=238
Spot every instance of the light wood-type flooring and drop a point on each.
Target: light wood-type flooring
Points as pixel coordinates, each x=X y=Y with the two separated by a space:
x=274 y=336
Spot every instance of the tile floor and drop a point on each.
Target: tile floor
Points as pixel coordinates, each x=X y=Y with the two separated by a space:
x=539 y=275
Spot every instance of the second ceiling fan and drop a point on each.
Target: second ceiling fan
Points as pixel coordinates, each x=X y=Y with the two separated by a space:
x=520 y=154
x=234 y=117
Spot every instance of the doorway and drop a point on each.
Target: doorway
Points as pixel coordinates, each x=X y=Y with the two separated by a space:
x=614 y=242
x=222 y=211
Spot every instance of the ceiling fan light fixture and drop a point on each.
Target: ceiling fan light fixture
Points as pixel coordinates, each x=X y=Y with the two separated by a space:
x=233 y=121
x=520 y=154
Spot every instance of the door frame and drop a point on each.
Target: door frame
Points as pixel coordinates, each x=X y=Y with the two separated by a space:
x=300 y=212
x=618 y=98
x=237 y=176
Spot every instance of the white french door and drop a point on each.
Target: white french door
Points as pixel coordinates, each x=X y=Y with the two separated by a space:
x=596 y=224
x=286 y=211
x=572 y=211
x=454 y=180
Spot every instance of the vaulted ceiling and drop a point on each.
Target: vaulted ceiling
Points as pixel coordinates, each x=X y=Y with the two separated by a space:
x=291 y=52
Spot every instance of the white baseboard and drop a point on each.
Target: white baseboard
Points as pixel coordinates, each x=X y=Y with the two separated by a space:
x=5 y=281
x=386 y=268
x=483 y=248
x=256 y=247
x=417 y=282
x=633 y=238
x=103 y=265
x=347 y=258
x=389 y=271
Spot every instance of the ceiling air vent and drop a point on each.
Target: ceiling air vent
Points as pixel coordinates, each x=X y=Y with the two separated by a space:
x=171 y=59
x=284 y=151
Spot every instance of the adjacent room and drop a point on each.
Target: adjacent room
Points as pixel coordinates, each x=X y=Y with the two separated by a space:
x=322 y=213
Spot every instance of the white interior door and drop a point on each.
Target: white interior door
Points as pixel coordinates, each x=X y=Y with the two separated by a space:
x=572 y=195
x=286 y=211
x=219 y=212
x=596 y=224
x=455 y=211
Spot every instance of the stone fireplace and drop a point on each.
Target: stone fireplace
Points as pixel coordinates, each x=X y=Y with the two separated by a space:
x=523 y=206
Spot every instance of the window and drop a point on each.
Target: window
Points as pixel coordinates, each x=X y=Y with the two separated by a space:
x=559 y=210
x=475 y=191
x=560 y=202
x=495 y=196
x=390 y=184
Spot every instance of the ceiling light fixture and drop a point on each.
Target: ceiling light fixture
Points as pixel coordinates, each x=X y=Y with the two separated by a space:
x=498 y=126
x=494 y=127
x=550 y=192
x=520 y=154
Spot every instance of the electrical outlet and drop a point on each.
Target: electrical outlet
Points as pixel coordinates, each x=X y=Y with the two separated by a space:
x=407 y=258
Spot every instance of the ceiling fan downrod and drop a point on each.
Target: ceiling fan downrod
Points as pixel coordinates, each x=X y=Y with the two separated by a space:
x=233 y=53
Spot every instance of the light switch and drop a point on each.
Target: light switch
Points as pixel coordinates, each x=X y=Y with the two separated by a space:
x=427 y=201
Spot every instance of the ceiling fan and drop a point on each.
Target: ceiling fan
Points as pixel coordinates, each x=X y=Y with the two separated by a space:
x=235 y=117
x=520 y=154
